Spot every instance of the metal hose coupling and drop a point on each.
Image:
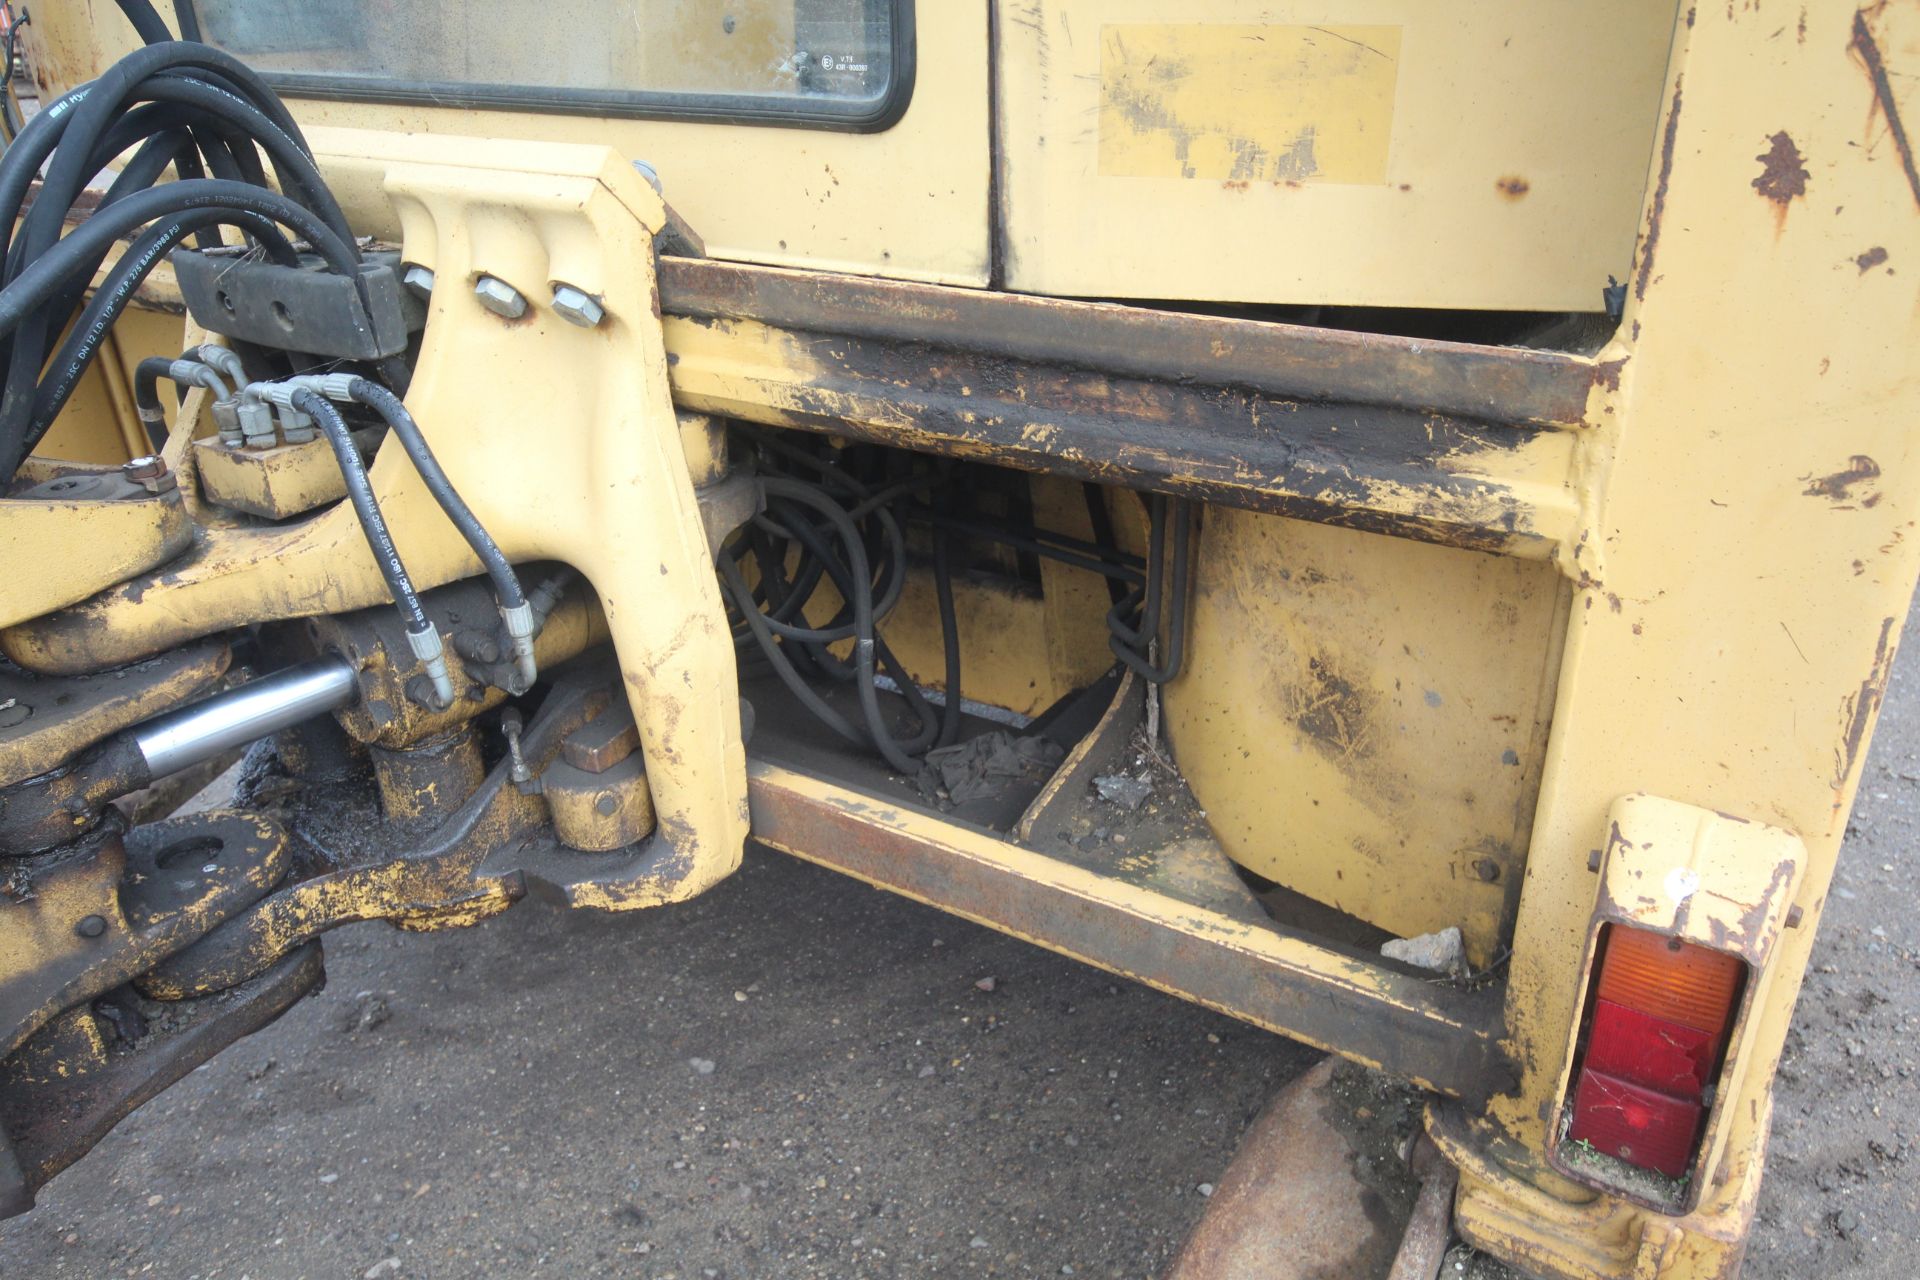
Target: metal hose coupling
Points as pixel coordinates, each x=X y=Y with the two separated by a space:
x=520 y=631
x=433 y=656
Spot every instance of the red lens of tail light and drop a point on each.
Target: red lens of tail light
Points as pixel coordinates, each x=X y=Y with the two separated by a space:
x=1661 y=1012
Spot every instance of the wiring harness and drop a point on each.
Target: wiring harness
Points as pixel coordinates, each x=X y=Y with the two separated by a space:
x=835 y=526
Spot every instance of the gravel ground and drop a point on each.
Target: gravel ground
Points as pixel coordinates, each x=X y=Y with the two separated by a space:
x=800 y=1076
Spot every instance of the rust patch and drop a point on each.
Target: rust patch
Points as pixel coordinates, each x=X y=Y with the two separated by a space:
x=1870 y=259
x=1839 y=487
x=1867 y=50
x=1783 y=174
x=1650 y=240
x=1513 y=186
x=1858 y=709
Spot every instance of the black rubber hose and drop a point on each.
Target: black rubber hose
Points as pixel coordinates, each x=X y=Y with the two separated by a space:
x=22 y=300
x=146 y=23
x=299 y=177
x=117 y=290
x=1101 y=521
x=506 y=582
x=92 y=239
x=360 y=493
x=949 y=639
x=736 y=585
x=865 y=652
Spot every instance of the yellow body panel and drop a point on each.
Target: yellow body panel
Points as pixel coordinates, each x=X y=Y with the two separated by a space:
x=1373 y=152
x=1364 y=719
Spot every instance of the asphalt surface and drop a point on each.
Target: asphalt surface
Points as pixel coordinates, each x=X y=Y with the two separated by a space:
x=800 y=1076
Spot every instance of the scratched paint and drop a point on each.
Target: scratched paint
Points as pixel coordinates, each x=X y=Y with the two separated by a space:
x=1247 y=103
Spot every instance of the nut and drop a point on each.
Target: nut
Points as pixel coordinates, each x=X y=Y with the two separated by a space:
x=499 y=297
x=419 y=279
x=150 y=473
x=577 y=306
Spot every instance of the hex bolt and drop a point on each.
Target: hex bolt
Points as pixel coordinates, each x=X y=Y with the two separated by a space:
x=1487 y=869
x=91 y=926
x=419 y=279
x=499 y=297
x=150 y=473
x=577 y=306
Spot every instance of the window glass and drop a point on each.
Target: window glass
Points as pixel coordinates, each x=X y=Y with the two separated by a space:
x=822 y=59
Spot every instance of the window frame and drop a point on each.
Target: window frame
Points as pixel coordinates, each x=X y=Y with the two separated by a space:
x=840 y=115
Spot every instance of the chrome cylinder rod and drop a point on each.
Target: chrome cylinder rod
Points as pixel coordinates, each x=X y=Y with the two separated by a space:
x=172 y=742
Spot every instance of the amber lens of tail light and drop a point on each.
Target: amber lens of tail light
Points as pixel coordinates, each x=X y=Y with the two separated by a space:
x=1666 y=978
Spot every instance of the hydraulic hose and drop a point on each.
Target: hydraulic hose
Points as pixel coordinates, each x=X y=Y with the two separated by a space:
x=70 y=363
x=421 y=633
x=514 y=608
x=93 y=238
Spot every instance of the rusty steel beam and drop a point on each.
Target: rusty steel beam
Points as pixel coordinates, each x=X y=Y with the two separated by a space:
x=1439 y=1037
x=1509 y=385
x=1356 y=430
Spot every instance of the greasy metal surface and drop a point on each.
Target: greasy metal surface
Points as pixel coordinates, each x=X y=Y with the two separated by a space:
x=1292 y=1205
x=374 y=640
x=602 y=742
x=428 y=778
x=163 y=886
x=46 y=720
x=1404 y=694
x=1391 y=470
x=598 y=812
x=1288 y=361
x=1432 y=1034
x=58 y=1121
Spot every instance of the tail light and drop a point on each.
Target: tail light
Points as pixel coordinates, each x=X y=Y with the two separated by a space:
x=1660 y=1012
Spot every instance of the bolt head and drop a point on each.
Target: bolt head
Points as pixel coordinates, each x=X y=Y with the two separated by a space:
x=499 y=297
x=577 y=306
x=419 y=280
x=91 y=926
x=149 y=467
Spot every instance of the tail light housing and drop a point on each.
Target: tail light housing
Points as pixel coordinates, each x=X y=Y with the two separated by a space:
x=1689 y=907
x=1660 y=1012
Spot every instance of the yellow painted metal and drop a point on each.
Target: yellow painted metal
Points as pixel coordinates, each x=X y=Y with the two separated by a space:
x=58 y=551
x=1370 y=152
x=1364 y=719
x=1755 y=486
x=563 y=440
x=909 y=201
x=284 y=481
x=598 y=812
